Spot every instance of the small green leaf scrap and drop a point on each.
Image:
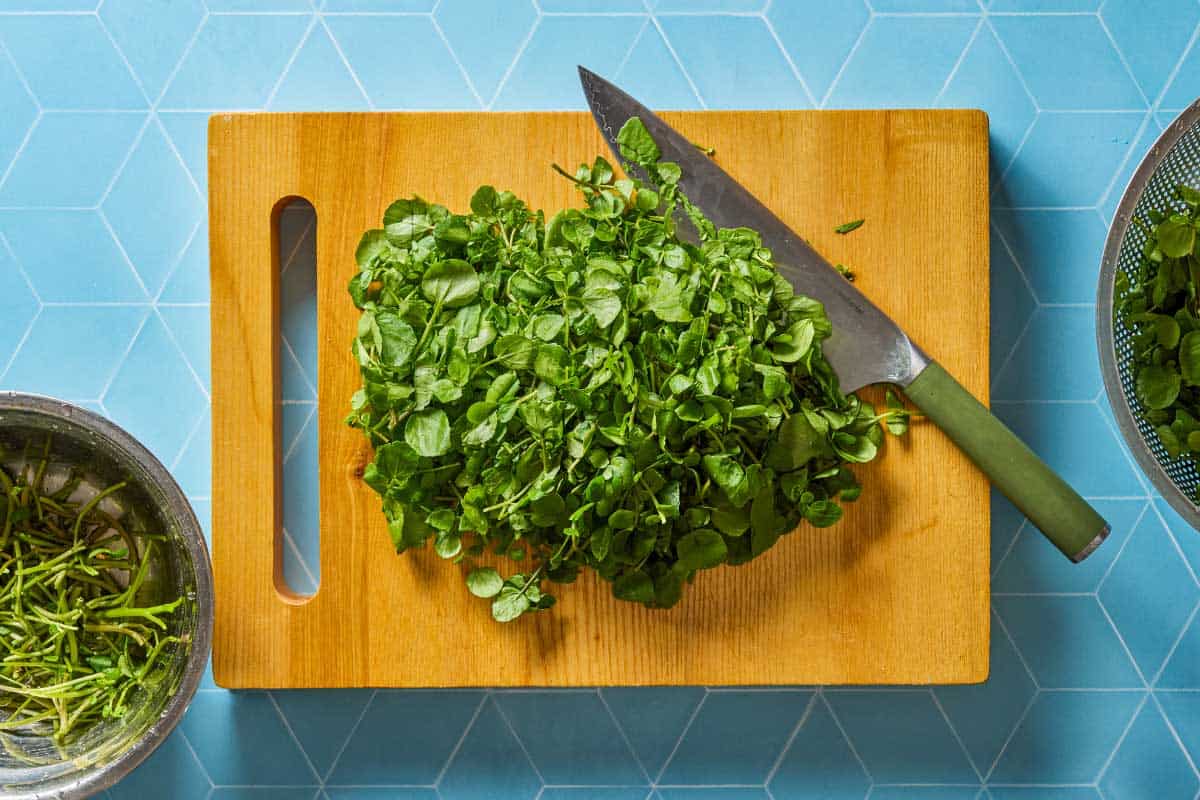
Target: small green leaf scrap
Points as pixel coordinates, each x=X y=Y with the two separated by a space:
x=846 y=227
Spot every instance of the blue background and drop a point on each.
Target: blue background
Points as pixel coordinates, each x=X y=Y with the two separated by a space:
x=1095 y=687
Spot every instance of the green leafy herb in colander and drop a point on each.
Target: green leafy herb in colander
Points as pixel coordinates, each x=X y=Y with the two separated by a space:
x=593 y=392
x=76 y=639
x=1159 y=303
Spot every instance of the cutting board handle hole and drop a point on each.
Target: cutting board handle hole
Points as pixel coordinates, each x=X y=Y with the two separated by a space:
x=297 y=547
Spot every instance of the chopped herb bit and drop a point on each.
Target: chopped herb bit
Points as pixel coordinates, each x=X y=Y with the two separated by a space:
x=589 y=391
x=846 y=227
x=846 y=272
x=708 y=151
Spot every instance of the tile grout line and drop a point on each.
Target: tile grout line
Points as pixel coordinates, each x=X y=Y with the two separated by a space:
x=457 y=61
x=637 y=39
x=1175 y=735
x=175 y=264
x=1020 y=656
x=849 y=742
x=290 y=542
x=295 y=739
x=137 y=276
x=512 y=65
x=287 y=67
x=662 y=771
x=687 y=76
x=787 y=57
x=520 y=742
x=1183 y=632
x=337 y=46
x=1008 y=550
x=962 y=57
x=954 y=732
x=1120 y=550
x=624 y=736
x=187 y=442
x=1124 y=61
x=790 y=740
x=837 y=76
x=122 y=359
x=1137 y=668
x=349 y=735
x=987 y=778
x=183 y=356
x=461 y=739
x=1121 y=739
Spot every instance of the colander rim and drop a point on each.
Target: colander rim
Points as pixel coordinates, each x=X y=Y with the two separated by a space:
x=1123 y=413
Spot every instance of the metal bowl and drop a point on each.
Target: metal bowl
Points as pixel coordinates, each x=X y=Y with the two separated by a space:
x=1174 y=159
x=34 y=767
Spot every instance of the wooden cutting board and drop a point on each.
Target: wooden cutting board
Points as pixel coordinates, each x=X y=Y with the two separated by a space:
x=896 y=593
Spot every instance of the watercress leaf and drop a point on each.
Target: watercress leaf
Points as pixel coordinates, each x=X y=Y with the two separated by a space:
x=702 y=549
x=1189 y=358
x=603 y=304
x=1176 y=237
x=794 y=343
x=452 y=282
x=635 y=586
x=515 y=351
x=428 y=432
x=1158 y=386
x=510 y=603
x=484 y=582
x=636 y=144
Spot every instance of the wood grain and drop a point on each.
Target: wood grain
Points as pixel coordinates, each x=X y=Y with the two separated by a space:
x=896 y=593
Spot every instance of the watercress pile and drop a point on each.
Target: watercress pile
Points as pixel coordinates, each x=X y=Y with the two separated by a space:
x=591 y=391
x=1159 y=304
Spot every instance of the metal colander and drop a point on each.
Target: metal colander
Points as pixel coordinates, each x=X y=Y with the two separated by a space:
x=1174 y=159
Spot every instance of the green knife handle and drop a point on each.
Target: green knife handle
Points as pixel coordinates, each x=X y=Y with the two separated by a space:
x=1055 y=508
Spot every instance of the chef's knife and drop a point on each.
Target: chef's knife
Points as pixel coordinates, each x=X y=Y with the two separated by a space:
x=866 y=346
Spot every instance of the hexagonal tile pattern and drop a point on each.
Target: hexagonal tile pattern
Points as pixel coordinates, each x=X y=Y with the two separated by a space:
x=70 y=62
x=758 y=76
x=1066 y=737
x=571 y=738
x=1150 y=593
x=259 y=748
x=18 y=109
x=431 y=78
x=72 y=352
x=235 y=61
x=651 y=73
x=154 y=375
x=985 y=715
x=901 y=736
x=544 y=74
x=508 y=26
x=153 y=208
x=1035 y=44
x=986 y=78
x=1059 y=251
x=152 y=35
x=51 y=170
x=735 y=738
x=819 y=761
x=47 y=244
x=1149 y=762
x=819 y=36
x=1090 y=654
x=902 y=61
x=1069 y=159
x=18 y=305
x=319 y=79
x=1076 y=650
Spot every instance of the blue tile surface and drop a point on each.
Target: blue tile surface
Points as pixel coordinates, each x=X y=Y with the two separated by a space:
x=1095 y=669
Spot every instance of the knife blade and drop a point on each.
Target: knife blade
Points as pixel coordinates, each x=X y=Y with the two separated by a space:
x=867 y=346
